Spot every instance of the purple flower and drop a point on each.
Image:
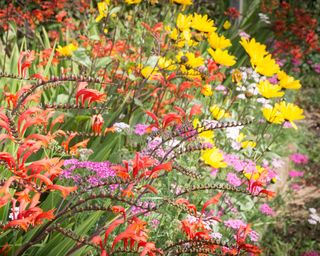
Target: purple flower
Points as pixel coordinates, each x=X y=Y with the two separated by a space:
x=234 y=223
x=294 y=173
x=277 y=163
x=140 y=129
x=254 y=236
x=214 y=171
x=267 y=210
x=299 y=158
x=155 y=223
x=216 y=235
x=235 y=162
x=316 y=68
x=273 y=79
x=96 y=170
x=233 y=179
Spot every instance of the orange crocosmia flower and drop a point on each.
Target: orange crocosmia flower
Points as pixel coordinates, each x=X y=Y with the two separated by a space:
x=110 y=129
x=65 y=191
x=119 y=209
x=23 y=195
x=82 y=144
x=4 y=199
x=44 y=215
x=97 y=123
x=21 y=223
x=25 y=60
x=65 y=144
x=128 y=192
x=91 y=95
x=8 y=158
x=135 y=231
x=123 y=175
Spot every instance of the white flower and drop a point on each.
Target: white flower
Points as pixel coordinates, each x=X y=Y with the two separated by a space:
x=315 y=217
x=312 y=222
x=119 y=127
x=312 y=210
x=216 y=235
x=264 y=18
x=235 y=145
x=253 y=89
x=241 y=96
x=233 y=132
x=14 y=214
x=263 y=101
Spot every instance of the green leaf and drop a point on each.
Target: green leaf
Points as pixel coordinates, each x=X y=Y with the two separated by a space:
x=102 y=62
x=80 y=56
x=115 y=10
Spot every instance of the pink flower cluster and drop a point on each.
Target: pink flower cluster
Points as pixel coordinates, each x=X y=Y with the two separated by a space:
x=93 y=171
x=233 y=179
x=299 y=158
x=294 y=174
x=267 y=210
x=236 y=224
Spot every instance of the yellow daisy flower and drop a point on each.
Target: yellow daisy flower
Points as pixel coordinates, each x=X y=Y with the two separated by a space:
x=248 y=144
x=206 y=90
x=189 y=59
x=67 y=50
x=260 y=59
x=148 y=72
x=183 y=2
x=266 y=66
x=269 y=90
x=222 y=57
x=272 y=115
x=184 y=21
x=103 y=10
x=288 y=82
x=254 y=49
x=213 y=157
x=190 y=73
x=133 y=1
x=217 y=112
x=218 y=42
x=289 y=112
x=202 y=23
x=166 y=64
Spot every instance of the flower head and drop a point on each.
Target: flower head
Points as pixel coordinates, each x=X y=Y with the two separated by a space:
x=218 y=42
x=288 y=82
x=222 y=57
x=103 y=10
x=217 y=112
x=133 y=1
x=289 y=112
x=183 y=2
x=269 y=90
x=67 y=50
x=213 y=157
x=226 y=25
x=272 y=115
x=184 y=21
x=203 y=23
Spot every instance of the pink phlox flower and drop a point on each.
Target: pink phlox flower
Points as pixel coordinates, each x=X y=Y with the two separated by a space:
x=294 y=173
x=299 y=158
x=266 y=209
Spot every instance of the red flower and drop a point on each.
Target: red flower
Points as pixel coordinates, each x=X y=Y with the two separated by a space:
x=232 y=13
x=97 y=123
